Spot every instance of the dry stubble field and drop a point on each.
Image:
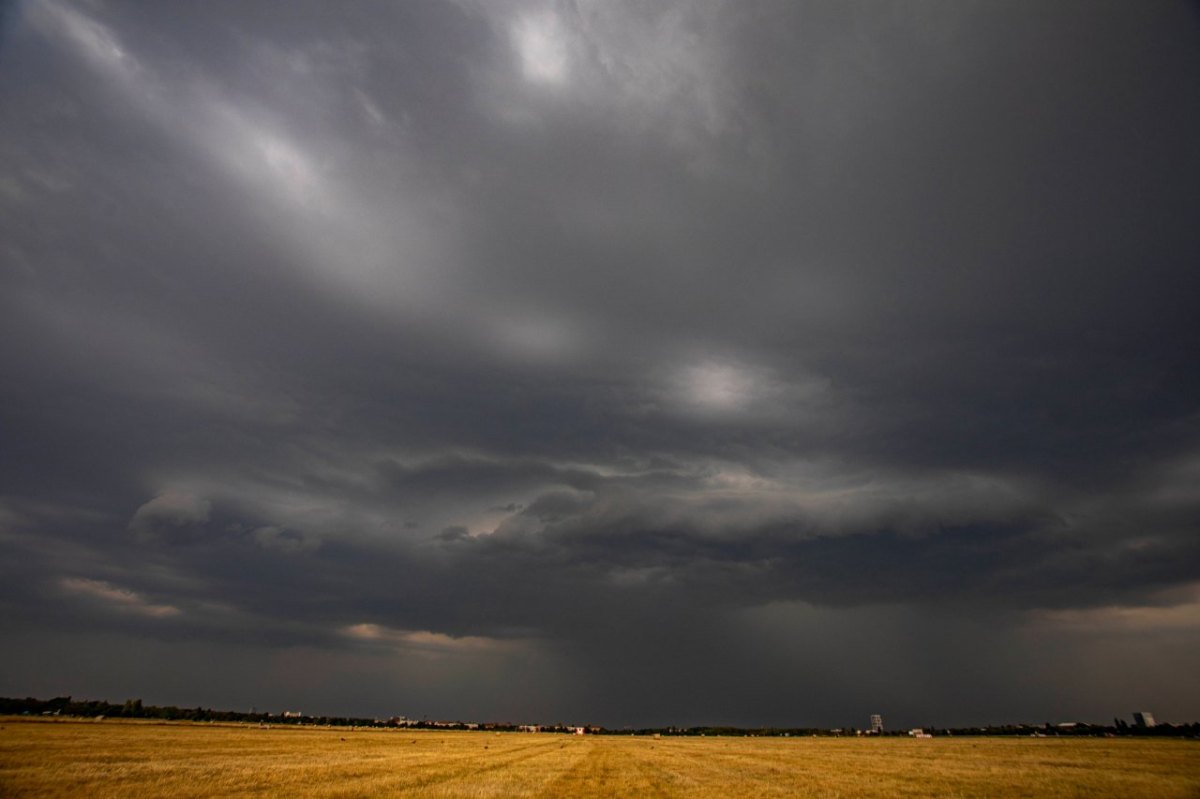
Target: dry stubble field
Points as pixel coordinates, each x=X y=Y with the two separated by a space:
x=131 y=759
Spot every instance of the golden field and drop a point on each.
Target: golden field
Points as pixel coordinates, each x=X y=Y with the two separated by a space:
x=69 y=758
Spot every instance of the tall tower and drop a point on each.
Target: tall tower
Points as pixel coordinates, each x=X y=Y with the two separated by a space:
x=876 y=723
x=1143 y=719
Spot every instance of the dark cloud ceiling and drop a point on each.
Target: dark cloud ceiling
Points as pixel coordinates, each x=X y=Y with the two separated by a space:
x=438 y=345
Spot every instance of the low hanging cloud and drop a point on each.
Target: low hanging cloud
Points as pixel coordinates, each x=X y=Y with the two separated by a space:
x=171 y=516
x=421 y=640
x=116 y=598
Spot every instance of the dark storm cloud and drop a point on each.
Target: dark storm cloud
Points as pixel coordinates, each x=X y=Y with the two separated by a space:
x=583 y=344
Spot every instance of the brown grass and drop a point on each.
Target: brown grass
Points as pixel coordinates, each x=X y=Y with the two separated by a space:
x=130 y=759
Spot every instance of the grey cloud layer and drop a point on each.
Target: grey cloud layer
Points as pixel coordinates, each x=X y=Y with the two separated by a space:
x=569 y=330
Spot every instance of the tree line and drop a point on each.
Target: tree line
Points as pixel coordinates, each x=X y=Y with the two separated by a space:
x=135 y=709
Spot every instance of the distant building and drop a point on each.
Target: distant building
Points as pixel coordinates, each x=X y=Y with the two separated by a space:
x=293 y=714
x=876 y=723
x=1143 y=719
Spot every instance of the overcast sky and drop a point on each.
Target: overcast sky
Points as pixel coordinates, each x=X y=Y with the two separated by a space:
x=614 y=362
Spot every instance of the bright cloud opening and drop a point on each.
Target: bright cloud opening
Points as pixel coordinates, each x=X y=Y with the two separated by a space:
x=541 y=43
x=717 y=387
